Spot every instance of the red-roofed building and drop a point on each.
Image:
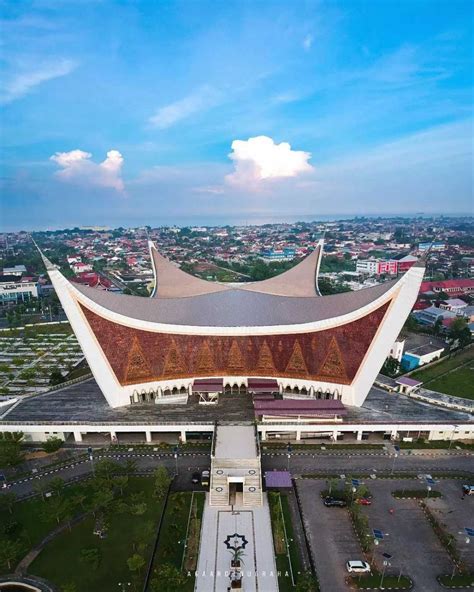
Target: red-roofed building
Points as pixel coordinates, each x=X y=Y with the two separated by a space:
x=456 y=287
x=93 y=280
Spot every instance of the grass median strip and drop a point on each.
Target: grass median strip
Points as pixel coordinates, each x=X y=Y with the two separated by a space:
x=286 y=552
x=374 y=581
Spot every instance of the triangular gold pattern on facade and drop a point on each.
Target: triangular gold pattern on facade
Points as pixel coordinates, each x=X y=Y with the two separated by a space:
x=205 y=360
x=174 y=361
x=296 y=363
x=235 y=360
x=265 y=364
x=137 y=366
x=333 y=365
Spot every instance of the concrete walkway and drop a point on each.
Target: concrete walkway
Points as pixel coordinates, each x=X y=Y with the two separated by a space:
x=259 y=569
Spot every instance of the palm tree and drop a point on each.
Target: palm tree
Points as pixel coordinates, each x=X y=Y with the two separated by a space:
x=237 y=554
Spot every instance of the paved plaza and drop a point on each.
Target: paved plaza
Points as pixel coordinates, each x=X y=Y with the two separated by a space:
x=258 y=562
x=84 y=402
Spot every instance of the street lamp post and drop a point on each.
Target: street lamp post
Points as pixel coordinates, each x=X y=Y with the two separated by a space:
x=91 y=458
x=376 y=544
x=123 y=585
x=395 y=456
x=288 y=455
x=455 y=427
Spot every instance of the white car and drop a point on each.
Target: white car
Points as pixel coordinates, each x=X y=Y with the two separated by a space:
x=358 y=567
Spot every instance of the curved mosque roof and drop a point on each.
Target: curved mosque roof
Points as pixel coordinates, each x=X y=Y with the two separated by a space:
x=182 y=299
x=172 y=282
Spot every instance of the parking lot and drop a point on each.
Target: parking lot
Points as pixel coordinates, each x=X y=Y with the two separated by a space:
x=331 y=536
x=408 y=536
x=455 y=512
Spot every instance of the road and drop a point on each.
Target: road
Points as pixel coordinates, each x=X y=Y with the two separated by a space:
x=307 y=463
x=369 y=462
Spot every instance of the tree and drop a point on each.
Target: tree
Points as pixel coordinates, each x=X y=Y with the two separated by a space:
x=161 y=482
x=56 y=377
x=130 y=466
x=91 y=556
x=101 y=499
x=107 y=468
x=41 y=487
x=52 y=444
x=411 y=324
x=121 y=482
x=7 y=500
x=167 y=579
x=78 y=500
x=459 y=332
x=437 y=327
x=9 y=553
x=136 y=562
x=56 y=509
x=70 y=587
x=390 y=367
x=56 y=485
x=10 y=454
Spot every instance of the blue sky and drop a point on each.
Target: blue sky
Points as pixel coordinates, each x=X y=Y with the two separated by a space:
x=157 y=112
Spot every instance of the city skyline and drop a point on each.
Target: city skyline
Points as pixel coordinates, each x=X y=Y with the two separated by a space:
x=128 y=114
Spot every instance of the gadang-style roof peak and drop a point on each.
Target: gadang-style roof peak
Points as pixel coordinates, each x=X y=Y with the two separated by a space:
x=173 y=282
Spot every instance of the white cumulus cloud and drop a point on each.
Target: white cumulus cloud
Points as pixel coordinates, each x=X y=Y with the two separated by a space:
x=260 y=158
x=77 y=167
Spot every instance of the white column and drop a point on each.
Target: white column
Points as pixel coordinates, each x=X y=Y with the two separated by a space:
x=334 y=435
x=359 y=435
x=263 y=435
x=78 y=436
x=183 y=436
x=394 y=434
x=298 y=434
x=148 y=436
x=113 y=437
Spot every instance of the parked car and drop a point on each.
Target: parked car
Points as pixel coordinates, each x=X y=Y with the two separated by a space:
x=357 y=566
x=468 y=489
x=196 y=478
x=363 y=501
x=205 y=478
x=332 y=502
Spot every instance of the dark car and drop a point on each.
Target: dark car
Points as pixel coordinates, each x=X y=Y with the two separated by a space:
x=196 y=478
x=332 y=502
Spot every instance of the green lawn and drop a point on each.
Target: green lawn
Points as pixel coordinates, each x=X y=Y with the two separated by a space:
x=459 y=383
x=34 y=525
x=171 y=544
x=448 y=363
x=60 y=562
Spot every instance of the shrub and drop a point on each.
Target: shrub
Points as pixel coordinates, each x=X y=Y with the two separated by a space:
x=52 y=444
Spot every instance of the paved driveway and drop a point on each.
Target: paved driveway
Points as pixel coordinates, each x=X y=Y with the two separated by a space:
x=411 y=540
x=331 y=536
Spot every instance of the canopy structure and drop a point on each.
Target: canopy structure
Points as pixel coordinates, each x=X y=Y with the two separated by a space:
x=281 y=329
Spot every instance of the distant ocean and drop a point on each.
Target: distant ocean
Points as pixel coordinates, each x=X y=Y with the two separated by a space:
x=259 y=219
